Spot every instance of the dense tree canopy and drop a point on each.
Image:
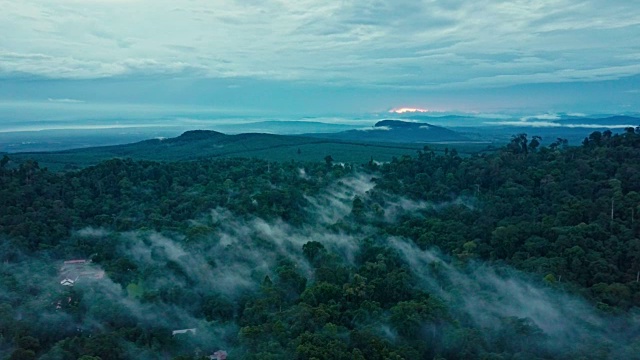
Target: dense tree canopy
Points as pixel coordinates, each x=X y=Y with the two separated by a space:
x=566 y=217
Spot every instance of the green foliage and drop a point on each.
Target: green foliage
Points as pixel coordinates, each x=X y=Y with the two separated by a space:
x=135 y=290
x=566 y=215
x=211 y=145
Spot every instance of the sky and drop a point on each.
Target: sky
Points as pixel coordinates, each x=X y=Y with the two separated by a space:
x=311 y=57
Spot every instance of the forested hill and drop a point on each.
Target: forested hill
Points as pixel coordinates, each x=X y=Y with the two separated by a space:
x=530 y=252
x=203 y=144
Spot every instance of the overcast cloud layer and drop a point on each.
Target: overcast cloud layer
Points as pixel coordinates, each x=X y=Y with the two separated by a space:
x=436 y=46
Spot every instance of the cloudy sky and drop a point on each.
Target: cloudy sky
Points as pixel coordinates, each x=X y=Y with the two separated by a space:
x=323 y=56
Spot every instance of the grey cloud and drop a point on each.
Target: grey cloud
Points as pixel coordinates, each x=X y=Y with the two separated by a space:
x=228 y=263
x=394 y=207
x=544 y=124
x=489 y=294
x=93 y=232
x=368 y=43
x=65 y=100
x=73 y=68
x=335 y=203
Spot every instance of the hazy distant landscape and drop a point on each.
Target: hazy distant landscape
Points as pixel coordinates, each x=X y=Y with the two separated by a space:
x=52 y=135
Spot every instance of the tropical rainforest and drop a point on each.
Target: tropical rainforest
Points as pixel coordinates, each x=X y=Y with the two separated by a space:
x=530 y=251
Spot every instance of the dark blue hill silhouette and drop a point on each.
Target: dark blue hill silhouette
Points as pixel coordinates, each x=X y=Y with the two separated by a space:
x=398 y=131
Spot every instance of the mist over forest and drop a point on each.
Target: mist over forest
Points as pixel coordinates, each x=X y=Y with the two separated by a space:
x=527 y=252
x=309 y=180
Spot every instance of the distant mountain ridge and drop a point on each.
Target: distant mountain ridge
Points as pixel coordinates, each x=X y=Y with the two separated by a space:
x=398 y=131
